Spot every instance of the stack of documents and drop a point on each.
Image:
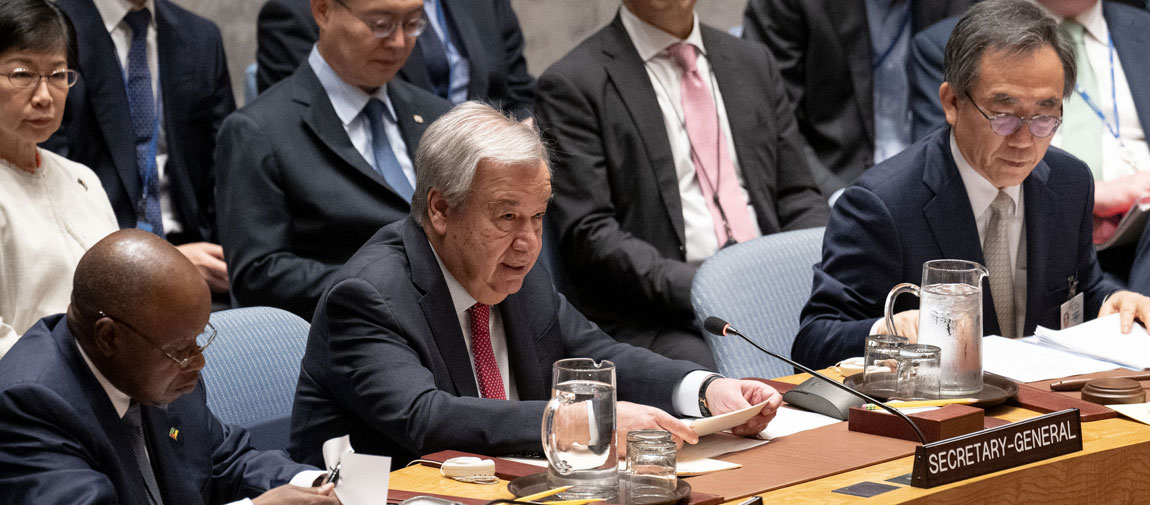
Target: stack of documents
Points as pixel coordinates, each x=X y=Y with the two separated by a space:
x=1103 y=339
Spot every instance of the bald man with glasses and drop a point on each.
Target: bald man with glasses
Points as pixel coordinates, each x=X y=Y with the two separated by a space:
x=987 y=188
x=105 y=404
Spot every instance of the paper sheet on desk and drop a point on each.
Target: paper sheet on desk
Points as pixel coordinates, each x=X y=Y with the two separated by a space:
x=363 y=478
x=1103 y=339
x=1137 y=411
x=1027 y=360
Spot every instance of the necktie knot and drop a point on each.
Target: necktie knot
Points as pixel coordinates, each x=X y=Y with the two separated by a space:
x=1003 y=204
x=375 y=111
x=1075 y=31
x=138 y=20
x=683 y=54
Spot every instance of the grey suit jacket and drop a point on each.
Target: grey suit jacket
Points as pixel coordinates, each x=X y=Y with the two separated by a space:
x=617 y=209
x=296 y=197
x=386 y=360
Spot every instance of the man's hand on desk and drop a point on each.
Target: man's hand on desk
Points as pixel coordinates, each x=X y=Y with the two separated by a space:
x=632 y=416
x=905 y=324
x=729 y=395
x=293 y=495
x=1130 y=304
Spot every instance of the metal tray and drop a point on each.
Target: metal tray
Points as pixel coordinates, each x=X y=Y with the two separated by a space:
x=996 y=389
x=537 y=482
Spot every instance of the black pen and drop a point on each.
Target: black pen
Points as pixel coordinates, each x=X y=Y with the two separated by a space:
x=333 y=477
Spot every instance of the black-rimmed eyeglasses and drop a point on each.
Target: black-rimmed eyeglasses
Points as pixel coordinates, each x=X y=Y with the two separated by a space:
x=384 y=27
x=60 y=79
x=203 y=340
x=1041 y=126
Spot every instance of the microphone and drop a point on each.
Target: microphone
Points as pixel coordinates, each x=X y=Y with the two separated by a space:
x=717 y=326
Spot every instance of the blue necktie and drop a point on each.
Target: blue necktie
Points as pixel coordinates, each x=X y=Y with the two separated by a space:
x=139 y=449
x=142 y=107
x=435 y=59
x=385 y=161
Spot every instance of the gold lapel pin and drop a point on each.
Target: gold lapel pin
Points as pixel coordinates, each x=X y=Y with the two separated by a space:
x=417 y=118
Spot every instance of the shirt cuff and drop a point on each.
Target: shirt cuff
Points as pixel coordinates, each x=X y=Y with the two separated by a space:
x=878 y=327
x=306 y=478
x=685 y=398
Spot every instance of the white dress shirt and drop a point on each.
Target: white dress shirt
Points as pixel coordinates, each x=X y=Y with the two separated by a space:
x=982 y=193
x=112 y=12
x=348 y=102
x=1096 y=38
x=651 y=43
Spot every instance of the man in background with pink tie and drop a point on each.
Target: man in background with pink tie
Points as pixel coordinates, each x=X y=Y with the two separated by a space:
x=672 y=140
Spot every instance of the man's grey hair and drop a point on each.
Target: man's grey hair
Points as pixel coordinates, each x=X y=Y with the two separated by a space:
x=452 y=147
x=1016 y=26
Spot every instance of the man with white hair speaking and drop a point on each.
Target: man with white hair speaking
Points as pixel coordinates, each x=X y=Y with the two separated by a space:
x=440 y=332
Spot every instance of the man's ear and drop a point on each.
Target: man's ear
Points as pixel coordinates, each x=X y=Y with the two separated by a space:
x=949 y=101
x=437 y=210
x=105 y=337
x=320 y=10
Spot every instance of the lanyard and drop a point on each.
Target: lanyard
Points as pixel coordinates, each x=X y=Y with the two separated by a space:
x=903 y=25
x=1115 y=128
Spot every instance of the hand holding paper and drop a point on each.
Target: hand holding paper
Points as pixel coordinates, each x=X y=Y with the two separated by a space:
x=729 y=395
x=1130 y=305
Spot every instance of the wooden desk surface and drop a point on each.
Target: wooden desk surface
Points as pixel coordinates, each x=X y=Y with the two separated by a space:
x=1113 y=467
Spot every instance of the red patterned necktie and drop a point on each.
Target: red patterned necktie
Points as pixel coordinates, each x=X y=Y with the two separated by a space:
x=486 y=368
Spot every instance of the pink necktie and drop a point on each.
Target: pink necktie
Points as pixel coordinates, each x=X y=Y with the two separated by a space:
x=486 y=369
x=709 y=152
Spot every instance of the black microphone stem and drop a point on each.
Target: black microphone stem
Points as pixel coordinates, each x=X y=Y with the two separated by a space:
x=837 y=384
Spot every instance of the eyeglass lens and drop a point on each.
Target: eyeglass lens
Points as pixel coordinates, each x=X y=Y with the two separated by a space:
x=1040 y=126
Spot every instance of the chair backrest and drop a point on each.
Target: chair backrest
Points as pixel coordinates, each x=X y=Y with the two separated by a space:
x=760 y=287
x=252 y=370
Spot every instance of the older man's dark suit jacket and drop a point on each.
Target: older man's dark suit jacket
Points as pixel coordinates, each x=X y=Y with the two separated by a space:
x=487 y=31
x=61 y=440
x=196 y=94
x=386 y=361
x=914 y=208
x=823 y=49
x=1127 y=27
x=617 y=207
x=297 y=197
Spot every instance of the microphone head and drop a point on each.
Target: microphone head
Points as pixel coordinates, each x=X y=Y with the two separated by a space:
x=715 y=326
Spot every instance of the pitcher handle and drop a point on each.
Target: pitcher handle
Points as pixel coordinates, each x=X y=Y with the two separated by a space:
x=905 y=287
x=549 y=438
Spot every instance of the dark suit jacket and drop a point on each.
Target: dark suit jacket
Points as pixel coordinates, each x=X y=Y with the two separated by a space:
x=1127 y=27
x=914 y=208
x=617 y=207
x=61 y=440
x=196 y=94
x=386 y=360
x=298 y=197
x=823 y=49
x=487 y=31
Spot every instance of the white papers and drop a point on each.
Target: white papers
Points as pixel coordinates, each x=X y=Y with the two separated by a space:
x=1137 y=411
x=715 y=424
x=1103 y=339
x=789 y=421
x=363 y=478
x=1025 y=360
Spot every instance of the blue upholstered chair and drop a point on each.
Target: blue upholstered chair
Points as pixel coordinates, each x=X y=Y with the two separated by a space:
x=760 y=287
x=252 y=369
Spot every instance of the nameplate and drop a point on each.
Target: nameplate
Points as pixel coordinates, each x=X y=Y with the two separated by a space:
x=995 y=449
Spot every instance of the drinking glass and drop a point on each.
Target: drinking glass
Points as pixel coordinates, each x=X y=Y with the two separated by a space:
x=651 y=466
x=919 y=372
x=880 y=364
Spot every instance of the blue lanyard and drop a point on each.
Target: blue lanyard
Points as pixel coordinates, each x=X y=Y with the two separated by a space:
x=1115 y=128
x=446 y=43
x=901 y=30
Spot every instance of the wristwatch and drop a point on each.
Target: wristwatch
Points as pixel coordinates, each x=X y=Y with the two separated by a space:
x=706 y=412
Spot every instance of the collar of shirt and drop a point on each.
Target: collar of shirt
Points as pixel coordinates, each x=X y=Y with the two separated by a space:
x=113 y=11
x=347 y=100
x=460 y=298
x=980 y=191
x=1091 y=19
x=650 y=41
x=120 y=400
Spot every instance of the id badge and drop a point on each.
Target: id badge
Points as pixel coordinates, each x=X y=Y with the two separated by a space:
x=1071 y=311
